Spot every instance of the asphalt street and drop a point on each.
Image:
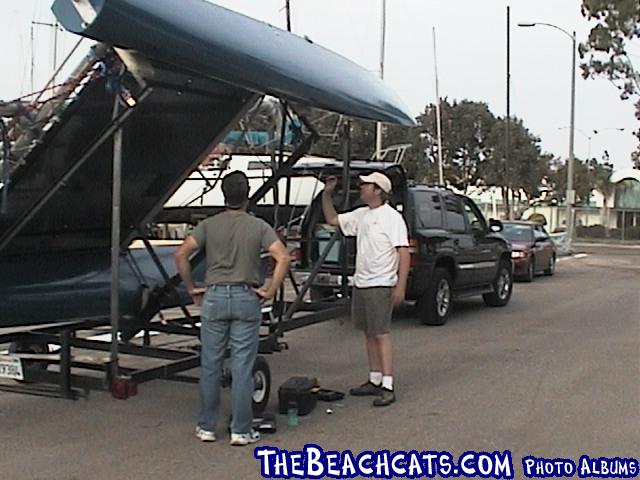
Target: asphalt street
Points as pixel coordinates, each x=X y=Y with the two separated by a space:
x=556 y=373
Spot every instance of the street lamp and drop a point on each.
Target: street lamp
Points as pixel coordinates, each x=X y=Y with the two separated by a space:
x=585 y=135
x=600 y=130
x=571 y=193
x=594 y=132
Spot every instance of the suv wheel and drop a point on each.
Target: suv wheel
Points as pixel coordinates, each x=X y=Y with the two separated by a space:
x=434 y=307
x=502 y=287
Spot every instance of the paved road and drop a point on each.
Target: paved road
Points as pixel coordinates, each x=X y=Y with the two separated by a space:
x=556 y=373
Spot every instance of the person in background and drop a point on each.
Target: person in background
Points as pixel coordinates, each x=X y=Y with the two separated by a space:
x=231 y=303
x=380 y=280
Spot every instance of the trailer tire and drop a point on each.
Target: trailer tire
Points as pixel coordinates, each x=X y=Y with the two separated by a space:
x=261 y=384
x=29 y=367
x=321 y=294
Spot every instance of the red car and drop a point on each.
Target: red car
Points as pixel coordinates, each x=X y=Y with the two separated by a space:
x=533 y=250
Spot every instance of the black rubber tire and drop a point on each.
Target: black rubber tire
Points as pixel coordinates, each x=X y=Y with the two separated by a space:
x=261 y=384
x=551 y=268
x=502 y=286
x=30 y=366
x=432 y=309
x=531 y=270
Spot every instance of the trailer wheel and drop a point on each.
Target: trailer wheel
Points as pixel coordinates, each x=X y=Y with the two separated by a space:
x=261 y=385
x=319 y=294
x=29 y=367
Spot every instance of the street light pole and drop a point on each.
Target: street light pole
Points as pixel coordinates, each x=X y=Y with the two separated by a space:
x=571 y=193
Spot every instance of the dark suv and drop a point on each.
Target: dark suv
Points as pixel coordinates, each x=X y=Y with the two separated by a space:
x=455 y=252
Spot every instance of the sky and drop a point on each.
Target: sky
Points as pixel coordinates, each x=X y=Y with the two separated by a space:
x=471 y=59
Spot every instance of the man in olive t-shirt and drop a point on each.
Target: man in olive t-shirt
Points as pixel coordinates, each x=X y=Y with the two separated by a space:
x=230 y=305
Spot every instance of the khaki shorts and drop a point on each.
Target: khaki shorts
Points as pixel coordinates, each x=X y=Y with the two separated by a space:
x=371 y=309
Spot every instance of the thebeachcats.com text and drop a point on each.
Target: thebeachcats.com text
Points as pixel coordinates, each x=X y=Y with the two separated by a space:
x=313 y=462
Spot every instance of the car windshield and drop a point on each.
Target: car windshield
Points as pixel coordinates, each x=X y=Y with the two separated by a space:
x=517 y=233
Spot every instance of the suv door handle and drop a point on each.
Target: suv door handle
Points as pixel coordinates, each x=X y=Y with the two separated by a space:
x=456 y=242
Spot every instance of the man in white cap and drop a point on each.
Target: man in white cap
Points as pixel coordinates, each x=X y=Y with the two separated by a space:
x=380 y=280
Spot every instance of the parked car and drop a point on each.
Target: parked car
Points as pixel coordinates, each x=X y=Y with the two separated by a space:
x=455 y=251
x=533 y=250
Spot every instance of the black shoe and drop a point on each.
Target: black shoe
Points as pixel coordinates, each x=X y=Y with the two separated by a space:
x=367 y=388
x=387 y=397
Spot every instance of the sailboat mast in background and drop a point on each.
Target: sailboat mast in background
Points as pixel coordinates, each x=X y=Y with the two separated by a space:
x=438 y=116
x=383 y=33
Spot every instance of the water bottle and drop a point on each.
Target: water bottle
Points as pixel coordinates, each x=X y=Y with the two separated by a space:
x=292 y=414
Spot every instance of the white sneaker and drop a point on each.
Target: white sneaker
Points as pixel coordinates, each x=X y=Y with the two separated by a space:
x=241 y=439
x=205 y=435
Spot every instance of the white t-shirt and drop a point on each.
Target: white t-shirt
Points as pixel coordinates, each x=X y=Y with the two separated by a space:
x=379 y=231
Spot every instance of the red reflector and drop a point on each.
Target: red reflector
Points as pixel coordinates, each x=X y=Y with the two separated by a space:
x=296 y=255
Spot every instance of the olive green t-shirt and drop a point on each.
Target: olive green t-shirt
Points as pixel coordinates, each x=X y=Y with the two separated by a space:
x=233 y=243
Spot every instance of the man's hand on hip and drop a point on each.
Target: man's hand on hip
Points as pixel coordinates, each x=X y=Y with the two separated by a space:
x=197 y=294
x=264 y=294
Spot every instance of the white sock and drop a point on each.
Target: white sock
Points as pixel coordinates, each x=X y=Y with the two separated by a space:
x=375 y=377
x=387 y=382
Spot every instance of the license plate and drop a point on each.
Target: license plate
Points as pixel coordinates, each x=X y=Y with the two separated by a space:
x=11 y=367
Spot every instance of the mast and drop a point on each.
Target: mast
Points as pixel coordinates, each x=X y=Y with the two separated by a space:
x=438 y=115
x=383 y=30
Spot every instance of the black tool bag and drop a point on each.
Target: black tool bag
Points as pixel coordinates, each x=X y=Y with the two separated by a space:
x=298 y=392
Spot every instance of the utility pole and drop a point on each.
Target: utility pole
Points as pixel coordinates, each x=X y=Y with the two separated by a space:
x=571 y=193
x=507 y=149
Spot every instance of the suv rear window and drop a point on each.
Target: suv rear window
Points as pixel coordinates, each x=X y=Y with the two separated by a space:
x=428 y=209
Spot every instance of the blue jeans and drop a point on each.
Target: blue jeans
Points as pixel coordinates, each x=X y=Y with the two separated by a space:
x=230 y=316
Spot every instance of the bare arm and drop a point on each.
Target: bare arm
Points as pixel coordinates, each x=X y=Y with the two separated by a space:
x=400 y=290
x=181 y=258
x=281 y=256
x=329 y=211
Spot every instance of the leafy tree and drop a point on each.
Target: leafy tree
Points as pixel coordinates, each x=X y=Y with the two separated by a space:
x=582 y=180
x=617 y=25
x=527 y=166
x=466 y=126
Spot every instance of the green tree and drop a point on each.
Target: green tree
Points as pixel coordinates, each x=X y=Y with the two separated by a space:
x=466 y=126
x=583 y=181
x=527 y=166
x=617 y=25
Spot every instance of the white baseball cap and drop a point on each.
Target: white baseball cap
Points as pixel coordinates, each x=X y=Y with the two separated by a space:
x=380 y=179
